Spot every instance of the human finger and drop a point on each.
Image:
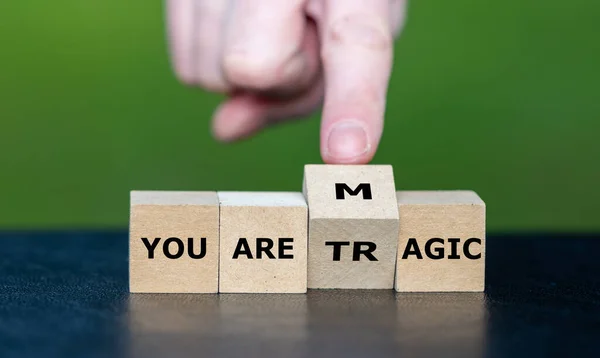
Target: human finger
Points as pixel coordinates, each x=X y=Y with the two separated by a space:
x=180 y=29
x=263 y=42
x=398 y=10
x=196 y=34
x=356 y=50
x=247 y=113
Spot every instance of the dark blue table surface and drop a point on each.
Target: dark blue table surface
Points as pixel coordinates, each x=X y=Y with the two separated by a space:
x=64 y=294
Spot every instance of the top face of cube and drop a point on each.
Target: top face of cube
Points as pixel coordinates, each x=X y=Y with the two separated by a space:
x=261 y=199
x=350 y=191
x=442 y=197
x=174 y=198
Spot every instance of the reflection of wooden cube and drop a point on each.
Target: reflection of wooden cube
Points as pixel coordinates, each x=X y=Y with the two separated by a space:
x=442 y=241
x=353 y=226
x=174 y=242
x=263 y=242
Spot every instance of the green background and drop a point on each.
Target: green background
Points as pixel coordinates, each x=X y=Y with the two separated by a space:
x=501 y=97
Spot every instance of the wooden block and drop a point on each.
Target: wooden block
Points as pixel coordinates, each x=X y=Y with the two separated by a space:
x=353 y=226
x=174 y=242
x=263 y=242
x=442 y=242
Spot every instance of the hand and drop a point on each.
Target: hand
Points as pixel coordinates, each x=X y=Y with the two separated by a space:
x=282 y=59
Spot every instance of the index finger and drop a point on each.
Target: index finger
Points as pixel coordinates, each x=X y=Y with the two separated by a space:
x=356 y=40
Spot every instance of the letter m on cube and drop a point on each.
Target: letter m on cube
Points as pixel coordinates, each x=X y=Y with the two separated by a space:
x=342 y=188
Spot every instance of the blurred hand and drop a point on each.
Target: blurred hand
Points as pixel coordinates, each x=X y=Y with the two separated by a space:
x=281 y=59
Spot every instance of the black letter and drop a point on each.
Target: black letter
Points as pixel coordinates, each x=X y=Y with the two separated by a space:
x=415 y=251
x=337 y=248
x=341 y=187
x=283 y=247
x=242 y=248
x=202 y=248
x=150 y=247
x=267 y=250
x=180 y=248
x=371 y=246
x=466 y=249
x=439 y=250
x=453 y=249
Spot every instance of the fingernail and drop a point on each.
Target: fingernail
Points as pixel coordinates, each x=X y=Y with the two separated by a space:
x=347 y=140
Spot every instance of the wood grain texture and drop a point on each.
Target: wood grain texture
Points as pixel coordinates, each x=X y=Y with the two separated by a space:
x=356 y=219
x=438 y=267
x=181 y=215
x=273 y=216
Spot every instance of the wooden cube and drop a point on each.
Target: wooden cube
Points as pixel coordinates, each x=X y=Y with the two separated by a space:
x=442 y=242
x=353 y=226
x=263 y=242
x=174 y=242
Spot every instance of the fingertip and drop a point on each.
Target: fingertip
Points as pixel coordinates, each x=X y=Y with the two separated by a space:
x=348 y=142
x=235 y=119
x=184 y=75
